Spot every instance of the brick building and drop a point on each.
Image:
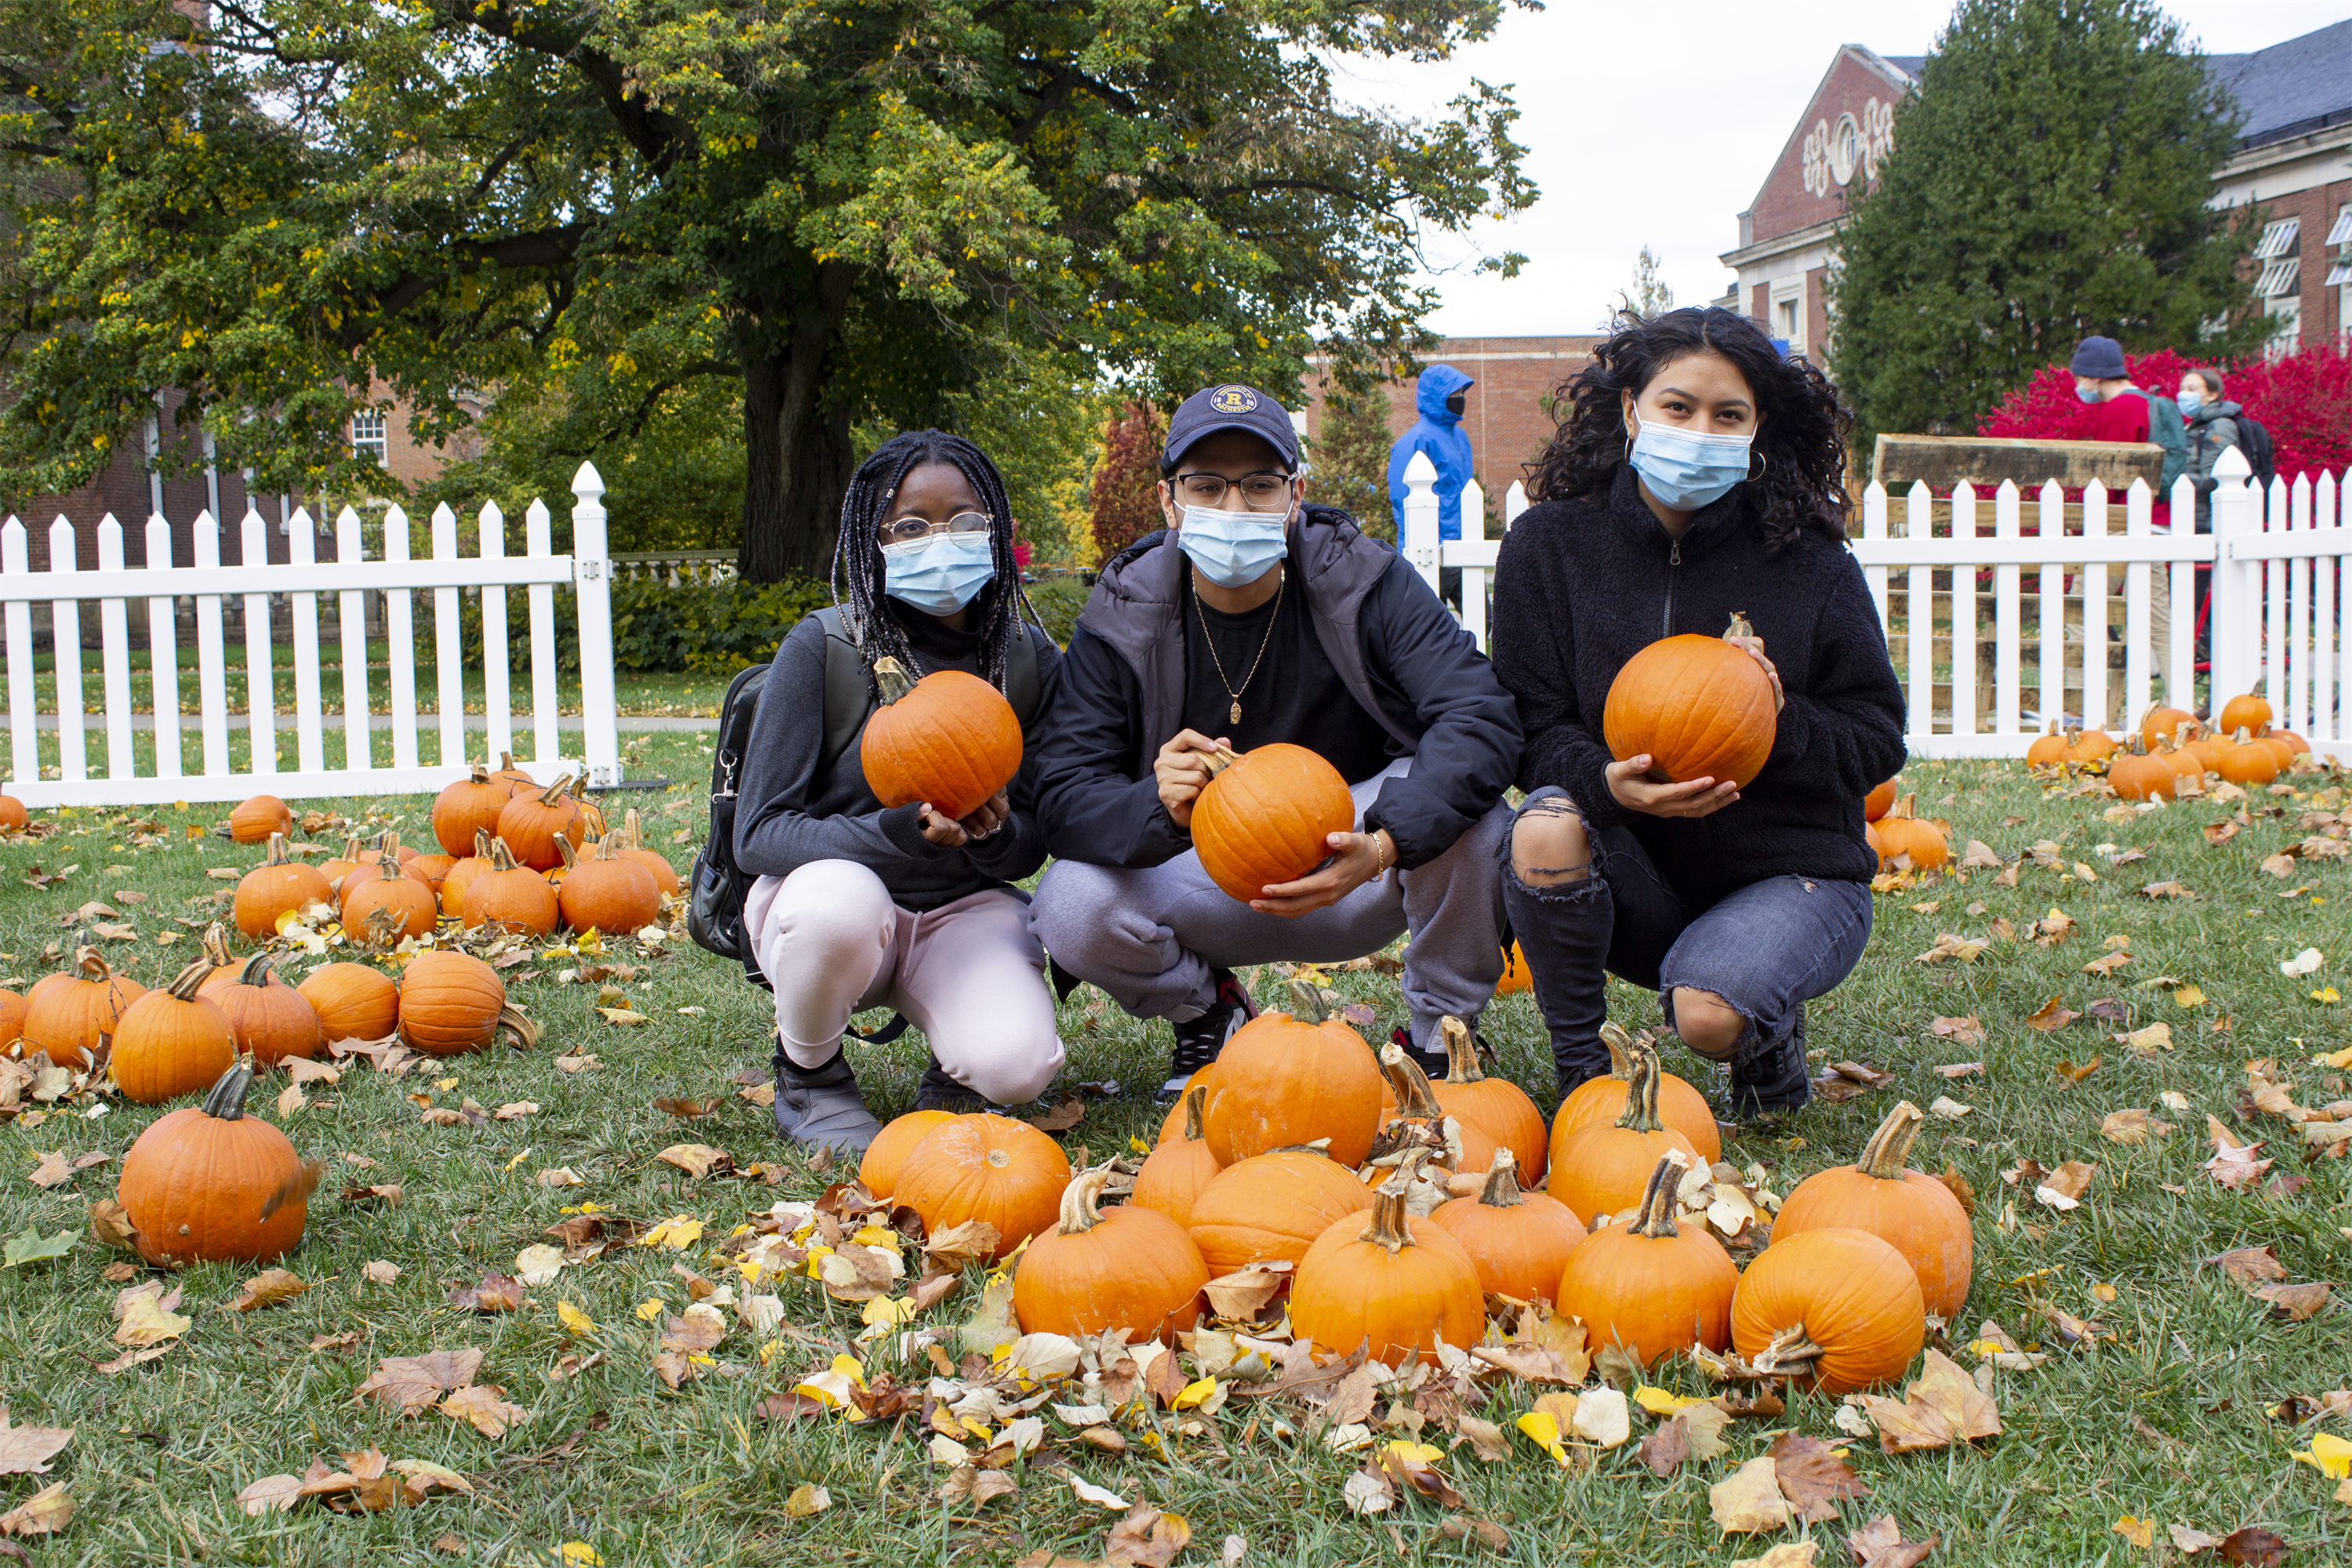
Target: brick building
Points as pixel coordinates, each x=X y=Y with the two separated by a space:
x=1504 y=418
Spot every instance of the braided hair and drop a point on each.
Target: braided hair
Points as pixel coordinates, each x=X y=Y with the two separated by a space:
x=857 y=572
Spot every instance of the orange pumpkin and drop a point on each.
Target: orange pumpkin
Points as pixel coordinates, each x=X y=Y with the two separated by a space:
x=451 y=1003
x=353 y=1002
x=516 y=780
x=1272 y=1207
x=531 y=822
x=1651 y=1286
x=1266 y=817
x=1421 y=1122
x=510 y=898
x=461 y=877
x=1698 y=707
x=1603 y=1168
x=1497 y=1107
x=2086 y=746
x=269 y=1018
x=12 y=1017
x=2158 y=724
x=1836 y=1307
x=172 y=1042
x=2251 y=712
x=633 y=847
x=1515 y=973
x=65 y=1015
x=1175 y=1172
x=607 y=893
x=2182 y=757
x=336 y=869
x=1131 y=1269
x=276 y=887
x=256 y=819
x=2138 y=776
x=988 y=1168
x=1288 y=1078
x=2048 y=750
x=227 y=965
x=1901 y=834
x=1397 y=1286
x=13 y=815
x=2289 y=745
x=388 y=906
x=1879 y=801
x=1519 y=1240
x=2247 y=761
x=211 y=1184
x=1602 y=1101
x=1910 y=1211
x=1172 y=1124
x=432 y=870
x=950 y=740
x=886 y=1155
x=469 y=807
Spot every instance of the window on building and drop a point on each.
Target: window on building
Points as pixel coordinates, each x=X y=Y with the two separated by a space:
x=2278 y=239
x=368 y=439
x=2339 y=273
x=2286 y=312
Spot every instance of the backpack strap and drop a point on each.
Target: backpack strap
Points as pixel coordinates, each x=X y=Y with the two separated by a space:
x=1021 y=673
x=848 y=690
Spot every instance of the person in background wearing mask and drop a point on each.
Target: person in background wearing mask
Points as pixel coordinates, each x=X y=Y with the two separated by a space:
x=1700 y=474
x=2213 y=428
x=1440 y=394
x=856 y=906
x=1253 y=618
x=2122 y=412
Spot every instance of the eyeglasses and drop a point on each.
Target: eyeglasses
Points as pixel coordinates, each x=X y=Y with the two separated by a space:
x=1260 y=492
x=908 y=529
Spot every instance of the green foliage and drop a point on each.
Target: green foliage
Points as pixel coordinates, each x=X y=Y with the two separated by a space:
x=2048 y=181
x=1057 y=600
x=706 y=629
x=1649 y=295
x=1124 y=489
x=1348 y=462
x=858 y=212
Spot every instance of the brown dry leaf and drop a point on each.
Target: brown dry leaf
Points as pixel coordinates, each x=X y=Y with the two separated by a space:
x=2294 y=1304
x=2107 y=965
x=1749 y=1499
x=1965 y=1030
x=1061 y=1118
x=677 y=1105
x=46 y=1512
x=2053 y=1015
x=290 y=1099
x=270 y=1494
x=1957 y=1185
x=1785 y=1554
x=2167 y=890
x=1943 y=1406
x=110 y=1221
x=480 y=1405
x=342 y=1341
x=1244 y=1294
x=1530 y=1361
x=1813 y=1477
x=496 y=1293
x=1880 y=1544
x=515 y=1109
x=55 y=1170
x=383 y=1271
x=1485 y=1438
x=267 y=1288
x=1416 y=1474
x=1956 y=1071
x=697 y=1160
x=2132 y=1126
x=26 y=1450
x=411 y=1383
x=960 y=1246
x=2254 y=1546
x=2220 y=832
x=1666 y=1448
x=2073 y=1074
x=1453 y=1526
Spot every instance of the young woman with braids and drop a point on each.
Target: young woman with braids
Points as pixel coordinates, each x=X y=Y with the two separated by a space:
x=860 y=907
x=1698 y=473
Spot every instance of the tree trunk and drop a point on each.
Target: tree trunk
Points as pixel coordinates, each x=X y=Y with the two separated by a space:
x=799 y=458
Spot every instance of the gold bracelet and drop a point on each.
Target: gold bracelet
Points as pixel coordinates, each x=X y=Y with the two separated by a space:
x=1380 y=857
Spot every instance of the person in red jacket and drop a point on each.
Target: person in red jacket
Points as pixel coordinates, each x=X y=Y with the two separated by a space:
x=2119 y=409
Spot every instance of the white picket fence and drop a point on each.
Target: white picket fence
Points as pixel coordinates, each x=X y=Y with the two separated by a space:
x=2280 y=600
x=162 y=582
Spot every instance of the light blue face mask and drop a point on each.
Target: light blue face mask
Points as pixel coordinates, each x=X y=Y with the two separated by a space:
x=1685 y=469
x=2087 y=394
x=2189 y=401
x=1234 y=549
x=940 y=572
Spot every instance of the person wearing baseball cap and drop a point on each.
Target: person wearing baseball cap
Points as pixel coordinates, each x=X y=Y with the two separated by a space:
x=2122 y=412
x=1256 y=616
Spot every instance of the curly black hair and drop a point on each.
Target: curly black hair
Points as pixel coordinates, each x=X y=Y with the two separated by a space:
x=858 y=572
x=1801 y=435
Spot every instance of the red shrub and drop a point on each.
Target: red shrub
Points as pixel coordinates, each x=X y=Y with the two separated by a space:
x=1125 y=499
x=2303 y=399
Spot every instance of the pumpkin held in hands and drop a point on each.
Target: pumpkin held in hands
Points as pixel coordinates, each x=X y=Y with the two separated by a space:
x=949 y=739
x=1698 y=707
x=1131 y=1269
x=1266 y=817
x=211 y=1184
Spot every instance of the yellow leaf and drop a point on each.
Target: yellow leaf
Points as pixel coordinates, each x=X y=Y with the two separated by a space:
x=876 y=1235
x=580 y=1552
x=1194 y=1392
x=1544 y=1432
x=886 y=1313
x=578 y=1321
x=677 y=1233
x=2140 y=1532
x=2329 y=1455
x=1420 y=1453
x=2326 y=994
x=1658 y=1402
x=648 y=1311
x=2337 y=1060
x=2189 y=996
x=847 y=1366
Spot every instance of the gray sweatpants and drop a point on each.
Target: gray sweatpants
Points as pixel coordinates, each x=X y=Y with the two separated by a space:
x=1152 y=937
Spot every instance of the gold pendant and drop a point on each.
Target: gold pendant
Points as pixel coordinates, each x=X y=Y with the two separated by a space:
x=1236 y=715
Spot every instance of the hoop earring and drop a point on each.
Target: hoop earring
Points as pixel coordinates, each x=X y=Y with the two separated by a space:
x=1760 y=472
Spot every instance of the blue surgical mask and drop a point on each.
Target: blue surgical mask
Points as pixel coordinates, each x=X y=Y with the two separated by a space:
x=1685 y=469
x=941 y=573
x=2188 y=400
x=1234 y=549
x=2087 y=394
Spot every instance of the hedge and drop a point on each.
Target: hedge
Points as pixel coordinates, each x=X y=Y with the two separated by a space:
x=694 y=628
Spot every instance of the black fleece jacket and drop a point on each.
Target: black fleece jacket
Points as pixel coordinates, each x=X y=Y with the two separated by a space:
x=1583 y=585
x=1398 y=649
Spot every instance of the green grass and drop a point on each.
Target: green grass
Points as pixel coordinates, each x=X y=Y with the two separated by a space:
x=2165 y=1420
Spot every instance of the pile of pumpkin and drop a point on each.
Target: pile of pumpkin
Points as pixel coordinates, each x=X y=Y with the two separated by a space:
x=1397 y=1205
x=512 y=860
x=2170 y=746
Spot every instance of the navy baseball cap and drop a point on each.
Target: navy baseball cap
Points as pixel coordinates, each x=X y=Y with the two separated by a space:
x=1232 y=406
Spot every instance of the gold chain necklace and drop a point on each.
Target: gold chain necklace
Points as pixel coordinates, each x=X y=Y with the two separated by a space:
x=1279 y=584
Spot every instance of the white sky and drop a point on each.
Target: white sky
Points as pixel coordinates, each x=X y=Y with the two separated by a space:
x=1655 y=123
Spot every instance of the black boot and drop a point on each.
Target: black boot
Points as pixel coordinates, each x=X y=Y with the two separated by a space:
x=1199 y=1042
x=1772 y=1078
x=937 y=1091
x=821 y=1106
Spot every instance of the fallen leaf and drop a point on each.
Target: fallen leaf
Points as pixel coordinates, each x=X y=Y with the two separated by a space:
x=144 y=1315
x=1099 y=1496
x=2253 y=1546
x=29 y=1245
x=270 y=1494
x=2140 y=1532
x=2307 y=962
x=381 y=1272
x=412 y=1383
x=1966 y=1030
x=2132 y=1126
x=1785 y=1554
x=268 y=1289
x=480 y=1405
x=808 y=1500
x=26 y=1450
x=1813 y=1477
x=688 y=1108
x=1749 y=1499
x=1880 y=1544
x=2053 y=1015
x=496 y=1293
x=46 y=1512
x=539 y=1264
x=1942 y=1407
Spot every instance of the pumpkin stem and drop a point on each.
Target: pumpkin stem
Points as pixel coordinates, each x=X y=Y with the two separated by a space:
x=225 y=1101
x=1621 y=1051
x=1641 y=1113
x=256 y=971
x=481 y=774
x=1502 y=1190
x=1903 y=807
x=1221 y=759
x=501 y=857
x=277 y=855
x=1740 y=627
x=1390 y=1226
x=520 y=1032
x=184 y=984
x=2243 y=737
x=352 y=848
x=2181 y=734
x=505 y=762
x=216 y=945
x=1415 y=1101
x=1461 y=1052
x=91 y=964
x=1307 y=1003
x=1657 y=1218
x=1790 y=1354
x=890 y=677
x=555 y=791
x=1082 y=1199
x=564 y=848
x=631 y=832
x=1196 y=1103
x=1889 y=1149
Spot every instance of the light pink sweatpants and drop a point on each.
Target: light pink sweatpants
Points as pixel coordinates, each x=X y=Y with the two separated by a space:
x=968 y=975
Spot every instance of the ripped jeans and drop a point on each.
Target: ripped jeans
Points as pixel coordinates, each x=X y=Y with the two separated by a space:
x=1765 y=949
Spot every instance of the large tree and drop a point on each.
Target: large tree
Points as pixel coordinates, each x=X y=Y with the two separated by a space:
x=863 y=209
x=2049 y=181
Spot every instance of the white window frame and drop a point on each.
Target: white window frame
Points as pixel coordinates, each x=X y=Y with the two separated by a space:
x=2278 y=239
x=2342 y=233
x=1791 y=294
x=372 y=437
x=2286 y=311
x=2280 y=277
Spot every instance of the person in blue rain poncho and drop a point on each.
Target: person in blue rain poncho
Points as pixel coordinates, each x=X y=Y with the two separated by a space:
x=1438 y=397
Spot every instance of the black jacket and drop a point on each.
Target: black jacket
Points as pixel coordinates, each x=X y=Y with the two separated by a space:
x=792 y=814
x=1583 y=585
x=1400 y=652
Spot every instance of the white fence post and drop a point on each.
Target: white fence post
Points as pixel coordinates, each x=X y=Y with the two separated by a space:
x=1417 y=539
x=2138 y=524
x=2050 y=614
x=260 y=679
x=593 y=580
x=1474 y=576
x=2328 y=644
x=24 y=739
x=2235 y=628
x=2006 y=632
x=399 y=639
x=1515 y=501
x=65 y=640
x=164 y=652
x=114 y=646
x=2180 y=667
x=350 y=616
x=497 y=701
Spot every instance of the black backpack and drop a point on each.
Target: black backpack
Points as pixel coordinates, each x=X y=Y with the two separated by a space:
x=2255 y=442
x=715 y=899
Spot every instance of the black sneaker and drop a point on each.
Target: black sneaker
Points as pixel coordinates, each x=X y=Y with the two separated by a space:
x=937 y=1091
x=1433 y=1064
x=1775 y=1080
x=1199 y=1042
x=821 y=1106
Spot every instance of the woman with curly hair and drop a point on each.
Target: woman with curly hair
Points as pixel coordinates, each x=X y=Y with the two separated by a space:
x=1698 y=473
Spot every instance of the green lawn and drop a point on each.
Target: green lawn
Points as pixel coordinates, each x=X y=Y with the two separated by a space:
x=2165 y=1415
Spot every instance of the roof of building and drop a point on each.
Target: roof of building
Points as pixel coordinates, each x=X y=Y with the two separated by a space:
x=2291 y=88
